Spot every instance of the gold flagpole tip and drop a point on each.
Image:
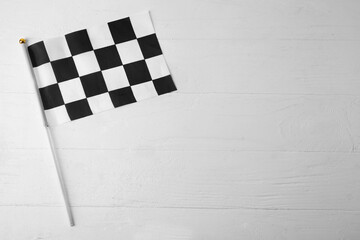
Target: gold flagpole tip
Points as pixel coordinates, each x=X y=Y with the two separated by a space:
x=22 y=40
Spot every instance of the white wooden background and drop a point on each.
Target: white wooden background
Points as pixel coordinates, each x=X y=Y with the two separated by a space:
x=262 y=140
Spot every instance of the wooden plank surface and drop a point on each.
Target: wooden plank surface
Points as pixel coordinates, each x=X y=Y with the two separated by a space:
x=262 y=140
x=172 y=223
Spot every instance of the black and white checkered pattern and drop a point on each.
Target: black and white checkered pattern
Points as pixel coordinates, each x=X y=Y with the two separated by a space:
x=100 y=68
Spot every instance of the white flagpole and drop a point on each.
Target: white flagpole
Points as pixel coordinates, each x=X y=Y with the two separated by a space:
x=50 y=138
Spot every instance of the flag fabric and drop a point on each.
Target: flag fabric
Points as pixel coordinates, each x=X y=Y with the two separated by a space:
x=99 y=68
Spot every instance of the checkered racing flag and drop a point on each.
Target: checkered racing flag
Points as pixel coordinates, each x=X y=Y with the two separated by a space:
x=99 y=68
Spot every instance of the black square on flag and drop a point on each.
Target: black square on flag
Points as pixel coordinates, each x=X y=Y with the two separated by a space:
x=78 y=109
x=64 y=69
x=122 y=96
x=164 y=85
x=137 y=72
x=122 y=30
x=93 y=84
x=51 y=96
x=78 y=42
x=38 y=54
x=108 y=57
x=150 y=46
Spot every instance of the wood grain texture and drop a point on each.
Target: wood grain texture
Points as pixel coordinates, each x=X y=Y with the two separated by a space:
x=262 y=140
x=170 y=223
